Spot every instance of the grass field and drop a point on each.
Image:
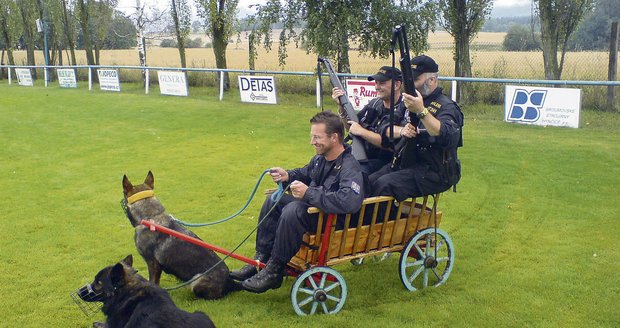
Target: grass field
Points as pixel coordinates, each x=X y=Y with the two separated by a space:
x=534 y=221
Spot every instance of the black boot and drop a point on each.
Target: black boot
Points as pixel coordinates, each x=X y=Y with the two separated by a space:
x=269 y=277
x=248 y=270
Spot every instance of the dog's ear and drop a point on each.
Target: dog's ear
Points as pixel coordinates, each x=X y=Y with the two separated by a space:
x=150 y=180
x=128 y=260
x=117 y=276
x=127 y=186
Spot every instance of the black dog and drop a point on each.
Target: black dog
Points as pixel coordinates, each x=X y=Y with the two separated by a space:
x=131 y=301
x=174 y=256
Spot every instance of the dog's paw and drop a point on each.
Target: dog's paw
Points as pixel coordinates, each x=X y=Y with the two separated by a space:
x=99 y=325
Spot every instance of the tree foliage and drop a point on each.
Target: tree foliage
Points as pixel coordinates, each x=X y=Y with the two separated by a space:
x=558 y=21
x=520 y=38
x=329 y=28
x=594 y=31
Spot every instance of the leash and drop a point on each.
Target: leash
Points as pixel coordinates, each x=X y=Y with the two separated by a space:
x=274 y=196
x=196 y=277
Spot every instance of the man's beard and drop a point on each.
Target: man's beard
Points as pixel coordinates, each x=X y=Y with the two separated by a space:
x=426 y=90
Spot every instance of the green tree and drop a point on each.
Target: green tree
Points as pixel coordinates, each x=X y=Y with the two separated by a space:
x=69 y=24
x=519 y=38
x=101 y=16
x=463 y=19
x=10 y=27
x=558 y=21
x=121 y=33
x=182 y=18
x=84 y=19
x=328 y=28
x=594 y=31
x=219 y=18
x=28 y=15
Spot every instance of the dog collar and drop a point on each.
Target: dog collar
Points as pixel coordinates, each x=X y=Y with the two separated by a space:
x=140 y=195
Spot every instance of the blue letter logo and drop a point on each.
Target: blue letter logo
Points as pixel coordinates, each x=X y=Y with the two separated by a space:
x=526 y=105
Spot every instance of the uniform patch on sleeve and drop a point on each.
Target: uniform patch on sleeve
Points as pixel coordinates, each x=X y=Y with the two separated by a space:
x=355 y=187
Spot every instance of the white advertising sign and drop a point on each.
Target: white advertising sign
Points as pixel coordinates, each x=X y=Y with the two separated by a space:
x=66 y=78
x=542 y=106
x=108 y=80
x=360 y=92
x=23 y=77
x=258 y=89
x=172 y=83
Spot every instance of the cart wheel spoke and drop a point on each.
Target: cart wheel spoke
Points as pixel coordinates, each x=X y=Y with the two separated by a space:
x=443 y=259
x=415 y=274
x=422 y=253
x=314 y=305
x=312 y=282
x=325 y=309
x=425 y=278
x=333 y=298
x=306 y=291
x=415 y=263
x=436 y=274
x=332 y=286
x=322 y=285
x=306 y=301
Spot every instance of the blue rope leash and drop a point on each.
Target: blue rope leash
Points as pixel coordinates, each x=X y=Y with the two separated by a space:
x=275 y=196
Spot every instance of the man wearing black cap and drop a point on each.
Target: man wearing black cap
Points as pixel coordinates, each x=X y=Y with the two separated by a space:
x=374 y=118
x=428 y=162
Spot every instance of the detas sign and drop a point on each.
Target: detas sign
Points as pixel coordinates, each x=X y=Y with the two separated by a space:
x=258 y=89
x=542 y=106
x=172 y=83
x=360 y=92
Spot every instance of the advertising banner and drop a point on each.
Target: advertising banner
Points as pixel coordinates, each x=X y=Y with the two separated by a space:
x=66 y=78
x=108 y=80
x=542 y=106
x=172 y=83
x=360 y=92
x=23 y=77
x=258 y=89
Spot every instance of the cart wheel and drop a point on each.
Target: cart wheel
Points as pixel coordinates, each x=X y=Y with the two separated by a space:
x=320 y=287
x=422 y=264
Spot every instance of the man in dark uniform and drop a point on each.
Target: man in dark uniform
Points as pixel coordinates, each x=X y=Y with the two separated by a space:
x=332 y=181
x=428 y=162
x=374 y=118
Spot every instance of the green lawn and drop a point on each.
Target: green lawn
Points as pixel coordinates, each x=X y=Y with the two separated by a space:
x=534 y=222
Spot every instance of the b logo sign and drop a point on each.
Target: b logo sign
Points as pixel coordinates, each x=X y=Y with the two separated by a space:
x=526 y=106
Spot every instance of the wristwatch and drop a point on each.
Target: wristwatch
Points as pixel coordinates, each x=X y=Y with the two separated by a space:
x=423 y=113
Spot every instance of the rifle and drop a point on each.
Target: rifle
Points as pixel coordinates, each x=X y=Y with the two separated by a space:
x=357 y=143
x=399 y=34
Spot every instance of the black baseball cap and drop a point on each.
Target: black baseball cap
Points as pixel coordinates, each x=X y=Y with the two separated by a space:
x=423 y=64
x=386 y=73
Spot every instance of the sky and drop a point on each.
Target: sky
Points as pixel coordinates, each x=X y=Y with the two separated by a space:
x=128 y=6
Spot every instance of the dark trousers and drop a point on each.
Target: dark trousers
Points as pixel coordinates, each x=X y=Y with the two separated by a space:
x=415 y=181
x=281 y=232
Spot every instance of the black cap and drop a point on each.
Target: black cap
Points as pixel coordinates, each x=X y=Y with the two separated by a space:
x=386 y=73
x=423 y=64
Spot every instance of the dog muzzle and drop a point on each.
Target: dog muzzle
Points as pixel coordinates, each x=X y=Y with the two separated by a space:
x=86 y=299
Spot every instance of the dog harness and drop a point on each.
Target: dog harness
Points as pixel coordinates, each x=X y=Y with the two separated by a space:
x=140 y=195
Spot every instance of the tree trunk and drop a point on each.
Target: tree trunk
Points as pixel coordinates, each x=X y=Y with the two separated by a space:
x=180 y=38
x=88 y=46
x=344 y=66
x=219 y=50
x=462 y=68
x=549 y=40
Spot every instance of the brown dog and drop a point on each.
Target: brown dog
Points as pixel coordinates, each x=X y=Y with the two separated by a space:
x=169 y=254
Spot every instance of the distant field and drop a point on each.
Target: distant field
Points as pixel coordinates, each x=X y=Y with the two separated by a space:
x=485 y=63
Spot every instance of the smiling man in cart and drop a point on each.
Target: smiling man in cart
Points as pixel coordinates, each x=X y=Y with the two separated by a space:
x=332 y=181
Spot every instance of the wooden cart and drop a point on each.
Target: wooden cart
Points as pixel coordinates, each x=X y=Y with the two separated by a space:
x=427 y=252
